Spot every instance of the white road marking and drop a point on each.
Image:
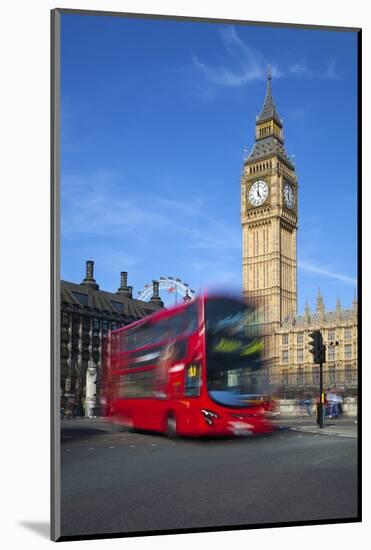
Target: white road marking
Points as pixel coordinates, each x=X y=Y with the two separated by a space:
x=333 y=434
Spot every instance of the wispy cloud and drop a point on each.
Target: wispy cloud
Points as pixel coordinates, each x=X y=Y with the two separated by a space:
x=111 y=208
x=301 y=69
x=106 y=207
x=310 y=267
x=249 y=64
x=330 y=72
x=121 y=227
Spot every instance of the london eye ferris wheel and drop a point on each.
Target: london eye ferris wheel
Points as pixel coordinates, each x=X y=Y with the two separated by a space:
x=171 y=286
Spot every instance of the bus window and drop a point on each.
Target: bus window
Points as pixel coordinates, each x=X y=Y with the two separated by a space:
x=192 y=382
x=191 y=319
x=136 y=384
x=233 y=352
x=180 y=350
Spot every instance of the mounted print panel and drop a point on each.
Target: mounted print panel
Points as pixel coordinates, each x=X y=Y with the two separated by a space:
x=205 y=304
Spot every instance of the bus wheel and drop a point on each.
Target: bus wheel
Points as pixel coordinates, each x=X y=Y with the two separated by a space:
x=171 y=429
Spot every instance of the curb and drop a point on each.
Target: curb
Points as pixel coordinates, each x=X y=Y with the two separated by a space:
x=320 y=431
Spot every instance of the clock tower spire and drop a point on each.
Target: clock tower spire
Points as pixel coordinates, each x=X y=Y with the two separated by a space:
x=269 y=206
x=268 y=111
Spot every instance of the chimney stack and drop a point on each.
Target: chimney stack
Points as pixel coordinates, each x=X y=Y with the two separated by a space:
x=89 y=276
x=124 y=278
x=156 y=300
x=124 y=289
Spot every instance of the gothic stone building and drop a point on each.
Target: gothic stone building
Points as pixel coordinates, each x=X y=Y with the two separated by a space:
x=269 y=217
x=88 y=314
x=295 y=364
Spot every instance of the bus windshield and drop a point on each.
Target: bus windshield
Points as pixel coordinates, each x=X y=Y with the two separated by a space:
x=233 y=352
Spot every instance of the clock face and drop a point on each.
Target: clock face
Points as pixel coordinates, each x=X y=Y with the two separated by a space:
x=258 y=193
x=289 y=196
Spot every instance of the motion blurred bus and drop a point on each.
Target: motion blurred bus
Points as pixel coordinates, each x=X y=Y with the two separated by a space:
x=191 y=370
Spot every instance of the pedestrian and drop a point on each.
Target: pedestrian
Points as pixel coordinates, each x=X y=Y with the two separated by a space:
x=62 y=407
x=337 y=403
x=308 y=406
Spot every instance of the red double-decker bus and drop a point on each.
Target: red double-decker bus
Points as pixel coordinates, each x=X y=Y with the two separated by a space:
x=191 y=370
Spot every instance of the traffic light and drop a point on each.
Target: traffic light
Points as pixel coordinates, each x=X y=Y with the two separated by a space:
x=316 y=346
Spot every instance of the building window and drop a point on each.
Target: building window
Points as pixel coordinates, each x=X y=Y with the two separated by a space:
x=331 y=374
x=347 y=334
x=300 y=356
x=285 y=377
x=285 y=356
x=348 y=351
x=331 y=335
x=299 y=338
x=65 y=318
x=285 y=339
x=300 y=379
x=118 y=305
x=331 y=353
x=315 y=375
x=81 y=297
x=348 y=373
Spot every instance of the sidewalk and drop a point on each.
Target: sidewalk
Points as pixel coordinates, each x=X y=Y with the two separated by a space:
x=345 y=427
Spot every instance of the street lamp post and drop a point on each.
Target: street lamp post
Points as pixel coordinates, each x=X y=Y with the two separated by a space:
x=318 y=349
x=321 y=396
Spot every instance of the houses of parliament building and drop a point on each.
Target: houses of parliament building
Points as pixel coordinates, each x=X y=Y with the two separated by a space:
x=269 y=217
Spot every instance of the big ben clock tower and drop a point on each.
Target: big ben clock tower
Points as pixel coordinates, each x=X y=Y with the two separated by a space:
x=269 y=206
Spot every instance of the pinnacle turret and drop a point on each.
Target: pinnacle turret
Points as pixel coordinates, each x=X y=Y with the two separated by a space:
x=320 y=306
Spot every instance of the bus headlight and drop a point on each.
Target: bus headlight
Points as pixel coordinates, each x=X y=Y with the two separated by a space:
x=209 y=416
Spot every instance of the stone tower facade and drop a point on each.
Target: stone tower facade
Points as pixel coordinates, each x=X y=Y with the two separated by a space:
x=269 y=217
x=269 y=206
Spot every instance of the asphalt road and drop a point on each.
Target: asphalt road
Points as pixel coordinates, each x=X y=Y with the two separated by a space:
x=115 y=481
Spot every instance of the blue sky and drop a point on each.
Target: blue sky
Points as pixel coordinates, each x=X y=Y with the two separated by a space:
x=156 y=117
